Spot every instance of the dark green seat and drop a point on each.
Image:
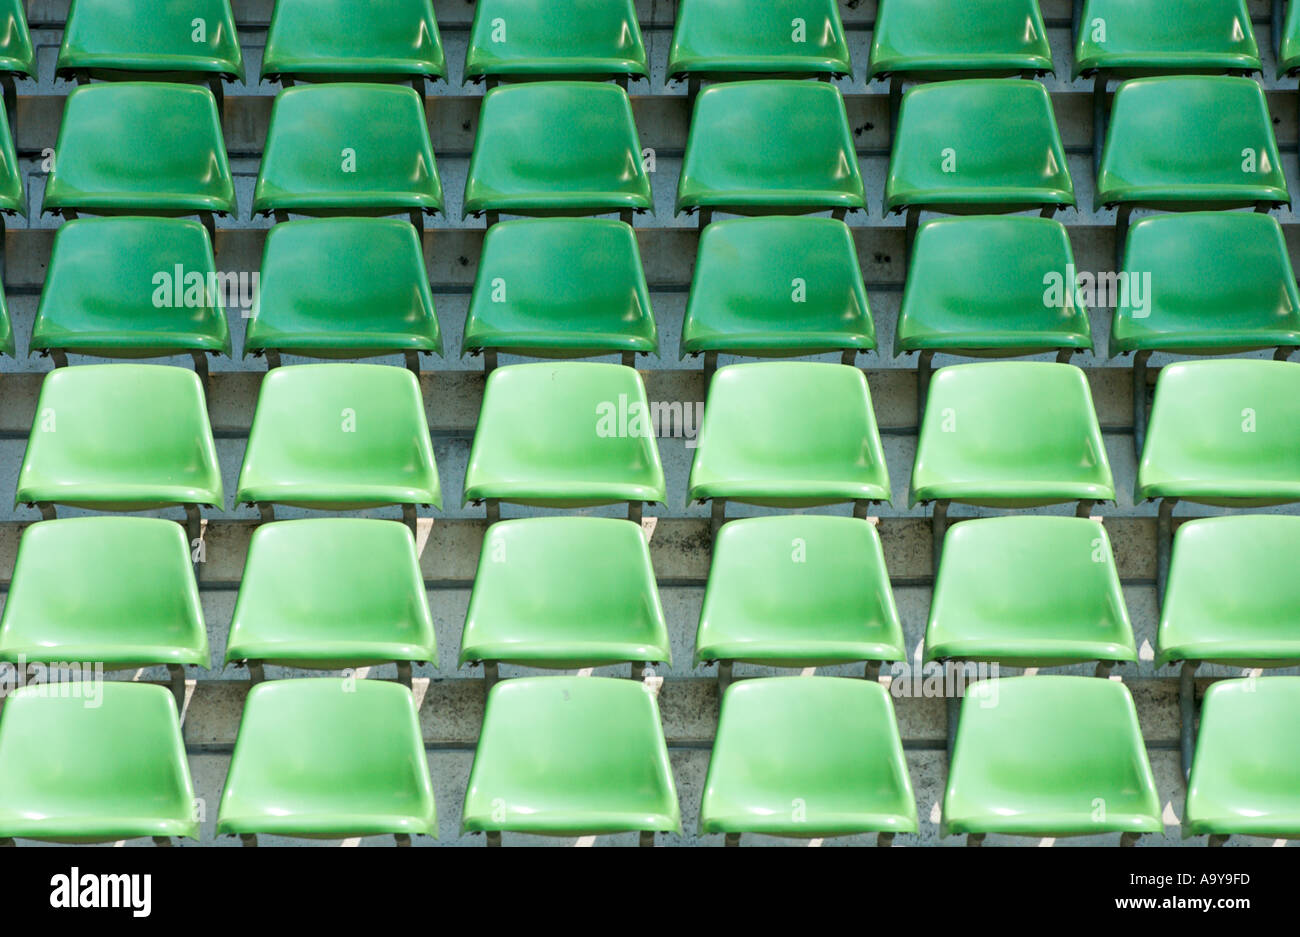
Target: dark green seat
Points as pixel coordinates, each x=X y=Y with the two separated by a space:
x=800 y=590
x=571 y=756
x=165 y=39
x=556 y=148
x=328 y=758
x=789 y=434
x=549 y=39
x=98 y=762
x=560 y=288
x=807 y=757
x=16 y=53
x=343 y=288
x=329 y=593
x=140 y=148
x=994 y=38
x=1126 y=38
x=726 y=38
x=348 y=149
x=1049 y=756
x=1288 y=58
x=324 y=40
x=6 y=329
x=761 y=147
x=1029 y=591
x=772 y=287
x=13 y=195
x=565 y=592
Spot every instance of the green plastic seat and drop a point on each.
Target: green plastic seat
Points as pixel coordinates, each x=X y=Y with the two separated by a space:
x=1224 y=432
x=976 y=287
x=1288 y=59
x=772 y=287
x=724 y=38
x=140 y=148
x=565 y=592
x=339 y=437
x=131 y=288
x=1189 y=141
x=807 y=757
x=165 y=39
x=758 y=147
x=1049 y=756
x=977 y=146
x=789 y=434
x=802 y=590
x=1010 y=434
x=16 y=53
x=571 y=756
x=120 y=437
x=548 y=39
x=73 y=772
x=573 y=434
x=329 y=593
x=13 y=195
x=1220 y=282
x=993 y=38
x=348 y=149
x=560 y=288
x=113 y=590
x=1246 y=772
x=328 y=758
x=556 y=148
x=1232 y=596
x=323 y=40
x=7 y=345
x=1124 y=38
x=343 y=288
x=1029 y=591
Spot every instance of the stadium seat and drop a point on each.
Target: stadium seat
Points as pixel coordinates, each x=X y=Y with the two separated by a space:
x=807 y=758
x=560 y=288
x=1050 y=756
x=564 y=592
x=531 y=39
x=773 y=287
x=573 y=434
x=1126 y=39
x=1286 y=39
x=343 y=288
x=987 y=38
x=7 y=346
x=328 y=758
x=769 y=147
x=556 y=148
x=13 y=195
x=73 y=772
x=721 y=39
x=339 y=437
x=330 y=593
x=571 y=756
x=17 y=55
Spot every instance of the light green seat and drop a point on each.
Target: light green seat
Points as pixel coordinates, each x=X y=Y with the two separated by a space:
x=1125 y=38
x=323 y=40
x=348 y=149
x=328 y=758
x=977 y=146
x=556 y=148
x=1049 y=756
x=977 y=286
x=922 y=39
x=1010 y=434
x=772 y=287
x=724 y=38
x=16 y=53
x=1219 y=282
x=329 y=593
x=560 y=288
x=95 y=762
x=758 y=147
x=549 y=39
x=572 y=434
x=802 y=590
x=1029 y=591
x=113 y=590
x=120 y=437
x=1224 y=432
x=807 y=757
x=140 y=148
x=343 y=288
x=571 y=756
x=339 y=437
x=164 y=39
x=1246 y=773
x=6 y=329
x=13 y=196
x=565 y=592
x=1189 y=141
x=131 y=288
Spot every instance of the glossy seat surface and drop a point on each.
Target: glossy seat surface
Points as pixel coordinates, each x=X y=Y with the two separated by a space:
x=337 y=38
x=976 y=37
x=7 y=345
x=16 y=52
x=1123 y=37
x=546 y=38
x=727 y=37
x=185 y=37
